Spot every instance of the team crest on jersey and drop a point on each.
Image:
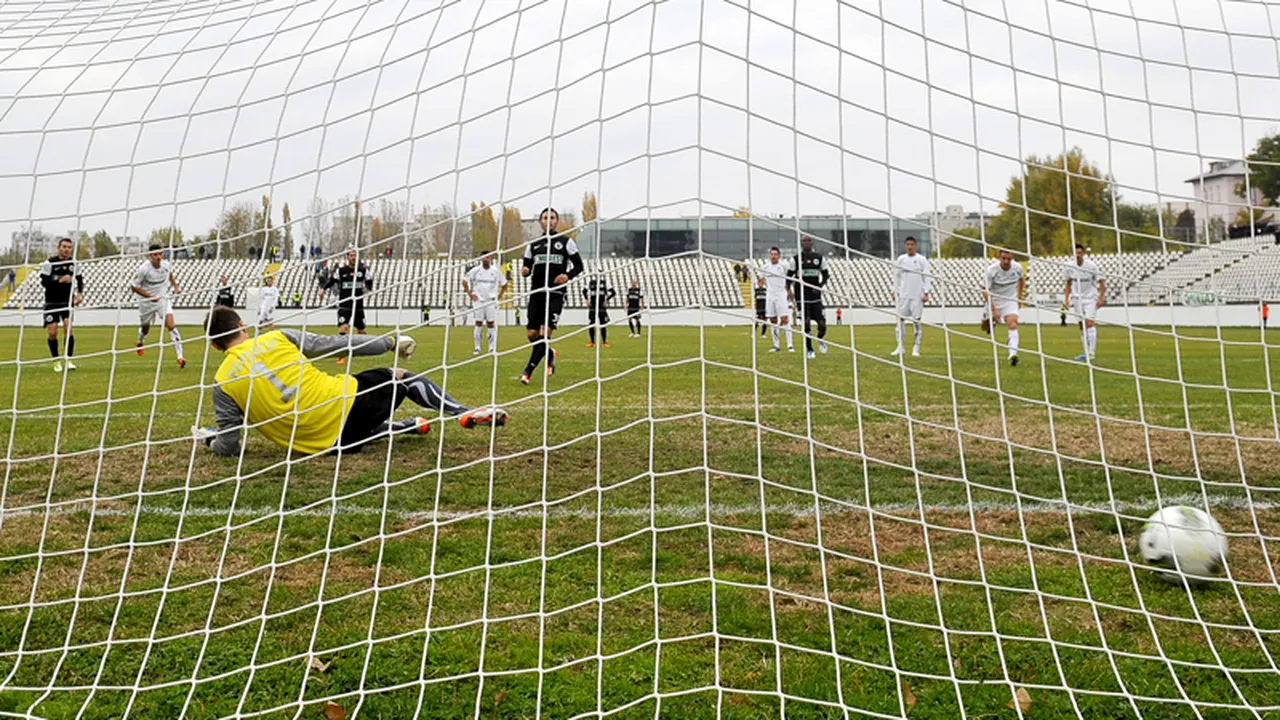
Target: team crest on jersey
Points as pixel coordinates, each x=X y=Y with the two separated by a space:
x=559 y=246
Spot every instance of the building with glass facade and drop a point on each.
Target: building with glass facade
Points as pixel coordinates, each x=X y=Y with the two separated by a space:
x=742 y=238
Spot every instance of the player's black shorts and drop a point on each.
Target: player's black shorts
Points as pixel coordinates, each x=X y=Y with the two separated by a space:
x=598 y=317
x=544 y=310
x=813 y=310
x=379 y=396
x=348 y=315
x=56 y=314
x=633 y=310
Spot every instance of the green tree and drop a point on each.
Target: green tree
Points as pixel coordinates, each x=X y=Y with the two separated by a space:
x=103 y=245
x=1263 y=176
x=964 y=242
x=235 y=230
x=1037 y=206
x=287 y=219
x=1140 y=229
x=169 y=236
x=1253 y=215
x=265 y=235
x=511 y=234
x=484 y=229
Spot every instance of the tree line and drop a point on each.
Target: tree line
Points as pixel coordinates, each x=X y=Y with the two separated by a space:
x=1060 y=201
x=248 y=229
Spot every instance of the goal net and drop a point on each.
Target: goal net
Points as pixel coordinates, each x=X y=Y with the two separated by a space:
x=864 y=505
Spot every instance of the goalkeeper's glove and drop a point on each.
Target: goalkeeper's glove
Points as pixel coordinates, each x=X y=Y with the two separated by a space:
x=204 y=435
x=405 y=346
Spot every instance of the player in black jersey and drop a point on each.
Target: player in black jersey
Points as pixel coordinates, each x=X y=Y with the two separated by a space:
x=57 y=275
x=352 y=280
x=226 y=296
x=809 y=274
x=598 y=292
x=761 y=295
x=550 y=262
x=635 y=306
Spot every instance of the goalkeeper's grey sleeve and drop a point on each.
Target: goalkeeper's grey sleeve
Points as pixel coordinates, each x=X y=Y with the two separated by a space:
x=313 y=345
x=230 y=422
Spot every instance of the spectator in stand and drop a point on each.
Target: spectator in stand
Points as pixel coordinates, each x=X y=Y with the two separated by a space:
x=839 y=316
x=1266 y=309
x=13 y=276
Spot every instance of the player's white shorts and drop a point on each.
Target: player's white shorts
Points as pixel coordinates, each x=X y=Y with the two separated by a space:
x=1005 y=307
x=910 y=308
x=776 y=307
x=1088 y=308
x=150 y=311
x=486 y=312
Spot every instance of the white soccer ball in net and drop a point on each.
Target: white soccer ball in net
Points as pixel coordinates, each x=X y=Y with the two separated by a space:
x=1183 y=543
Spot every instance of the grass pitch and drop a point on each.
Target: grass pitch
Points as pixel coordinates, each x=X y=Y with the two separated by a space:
x=677 y=526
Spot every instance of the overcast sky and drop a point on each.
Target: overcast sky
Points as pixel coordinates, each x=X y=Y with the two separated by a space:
x=129 y=114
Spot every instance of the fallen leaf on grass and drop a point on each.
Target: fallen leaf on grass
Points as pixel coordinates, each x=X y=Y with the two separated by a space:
x=334 y=711
x=318 y=665
x=908 y=697
x=1021 y=699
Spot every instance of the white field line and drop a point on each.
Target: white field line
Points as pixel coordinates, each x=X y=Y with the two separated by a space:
x=715 y=510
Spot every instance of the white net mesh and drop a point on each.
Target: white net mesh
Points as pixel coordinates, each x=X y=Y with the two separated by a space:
x=678 y=522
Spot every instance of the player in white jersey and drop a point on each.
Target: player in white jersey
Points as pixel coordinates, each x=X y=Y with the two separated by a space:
x=777 y=297
x=1004 y=287
x=1084 y=289
x=152 y=282
x=911 y=285
x=485 y=285
x=268 y=300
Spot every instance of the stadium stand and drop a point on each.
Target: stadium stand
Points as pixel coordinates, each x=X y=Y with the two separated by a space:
x=1191 y=268
x=1239 y=270
x=107 y=282
x=1253 y=278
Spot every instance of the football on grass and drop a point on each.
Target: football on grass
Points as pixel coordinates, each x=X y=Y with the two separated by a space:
x=1184 y=543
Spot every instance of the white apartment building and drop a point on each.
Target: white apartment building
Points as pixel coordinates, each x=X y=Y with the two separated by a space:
x=1215 y=192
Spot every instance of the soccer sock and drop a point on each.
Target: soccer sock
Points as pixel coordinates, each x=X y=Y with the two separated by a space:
x=919 y=333
x=535 y=355
x=898 y=334
x=422 y=391
x=53 y=347
x=774 y=334
x=142 y=333
x=1013 y=342
x=493 y=338
x=604 y=335
x=476 y=336
x=1092 y=334
x=592 y=332
x=177 y=342
x=822 y=329
x=787 y=329
x=808 y=338
x=71 y=345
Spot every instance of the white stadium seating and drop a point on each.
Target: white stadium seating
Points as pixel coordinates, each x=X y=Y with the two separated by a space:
x=1238 y=270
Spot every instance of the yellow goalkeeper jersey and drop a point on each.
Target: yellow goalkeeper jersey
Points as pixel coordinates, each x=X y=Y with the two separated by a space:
x=283 y=395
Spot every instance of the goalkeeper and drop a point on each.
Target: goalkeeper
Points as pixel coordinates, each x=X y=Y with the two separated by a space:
x=269 y=379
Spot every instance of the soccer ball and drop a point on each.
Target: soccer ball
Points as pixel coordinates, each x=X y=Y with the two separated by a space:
x=1183 y=543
